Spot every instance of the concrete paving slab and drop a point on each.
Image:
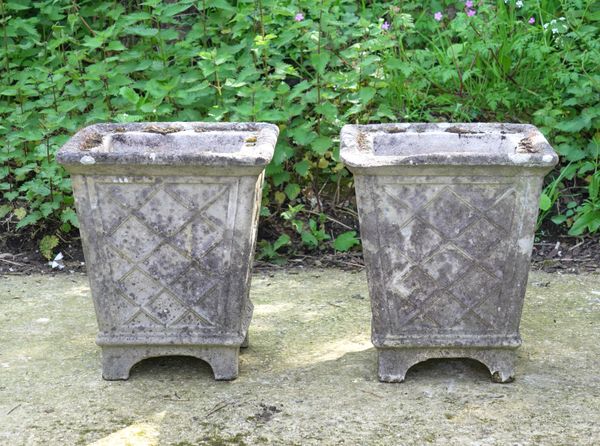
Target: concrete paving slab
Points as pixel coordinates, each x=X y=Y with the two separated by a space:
x=308 y=378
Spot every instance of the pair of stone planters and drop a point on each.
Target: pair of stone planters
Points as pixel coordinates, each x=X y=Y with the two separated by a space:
x=168 y=215
x=169 y=212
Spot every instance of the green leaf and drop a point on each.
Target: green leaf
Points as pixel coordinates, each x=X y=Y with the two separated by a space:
x=574 y=125
x=69 y=216
x=545 y=202
x=280 y=178
x=345 y=241
x=142 y=31
x=283 y=240
x=4 y=210
x=292 y=190
x=320 y=61
x=30 y=219
x=302 y=167
x=309 y=239
x=327 y=110
x=588 y=221
x=20 y=213
x=366 y=94
x=129 y=94
x=47 y=245
x=221 y=4
x=93 y=42
x=321 y=144
x=175 y=8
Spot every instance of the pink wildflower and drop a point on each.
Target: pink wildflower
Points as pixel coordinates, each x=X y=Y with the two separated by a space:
x=385 y=26
x=471 y=12
x=438 y=16
x=299 y=17
x=532 y=20
x=469 y=4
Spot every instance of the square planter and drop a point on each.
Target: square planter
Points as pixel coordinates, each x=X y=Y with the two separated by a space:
x=168 y=215
x=447 y=215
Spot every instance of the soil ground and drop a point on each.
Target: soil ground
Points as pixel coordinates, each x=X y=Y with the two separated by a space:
x=550 y=253
x=308 y=378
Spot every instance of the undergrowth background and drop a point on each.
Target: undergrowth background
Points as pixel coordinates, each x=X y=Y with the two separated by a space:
x=309 y=67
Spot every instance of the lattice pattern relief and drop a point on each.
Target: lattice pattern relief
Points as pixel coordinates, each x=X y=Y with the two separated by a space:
x=165 y=243
x=446 y=257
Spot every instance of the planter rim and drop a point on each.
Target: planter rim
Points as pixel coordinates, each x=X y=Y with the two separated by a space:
x=171 y=144
x=443 y=144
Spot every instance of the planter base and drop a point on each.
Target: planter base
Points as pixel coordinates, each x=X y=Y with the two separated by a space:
x=117 y=361
x=246 y=341
x=395 y=362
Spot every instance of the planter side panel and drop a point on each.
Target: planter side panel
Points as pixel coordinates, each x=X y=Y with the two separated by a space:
x=447 y=256
x=168 y=257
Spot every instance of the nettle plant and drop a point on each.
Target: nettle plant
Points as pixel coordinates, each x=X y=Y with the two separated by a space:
x=307 y=66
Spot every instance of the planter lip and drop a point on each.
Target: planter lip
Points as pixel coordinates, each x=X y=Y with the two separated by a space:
x=213 y=144
x=442 y=144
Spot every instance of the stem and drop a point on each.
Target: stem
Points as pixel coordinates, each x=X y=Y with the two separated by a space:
x=7 y=64
x=318 y=74
x=204 y=35
x=54 y=93
x=49 y=162
x=262 y=33
x=217 y=80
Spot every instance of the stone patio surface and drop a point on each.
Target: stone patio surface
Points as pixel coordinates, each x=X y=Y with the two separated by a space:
x=308 y=378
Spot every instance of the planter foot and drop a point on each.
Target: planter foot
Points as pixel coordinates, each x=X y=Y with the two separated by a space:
x=117 y=361
x=395 y=362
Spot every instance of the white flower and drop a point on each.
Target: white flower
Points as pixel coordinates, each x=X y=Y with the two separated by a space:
x=519 y=4
x=554 y=30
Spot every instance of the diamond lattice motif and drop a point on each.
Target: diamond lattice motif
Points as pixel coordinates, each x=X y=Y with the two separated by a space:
x=476 y=284
x=198 y=237
x=447 y=213
x=165 y=264
x=477 y=239
x=446 y=310
x=139 y=287
x=452 y=254
x=197 y=286
x=134 y=239
x=446 y=266
x=163 y=214
x=166 y=307
x=164 y=248
x=410 y=197
x=417 y=241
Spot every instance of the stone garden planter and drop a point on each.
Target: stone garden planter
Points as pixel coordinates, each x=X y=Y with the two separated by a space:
x=447 y=215
x=168 y=215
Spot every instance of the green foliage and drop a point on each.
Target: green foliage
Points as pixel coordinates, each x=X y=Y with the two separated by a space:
x=67 y=64
x=47 y=245
x=269 y=251
x=345 y=241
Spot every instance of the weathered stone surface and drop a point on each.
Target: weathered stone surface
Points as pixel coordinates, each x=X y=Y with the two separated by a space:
x=447 y=218
x=308 y=378
x=168 y=215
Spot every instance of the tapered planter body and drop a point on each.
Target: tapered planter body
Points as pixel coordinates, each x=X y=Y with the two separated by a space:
x=168 y=215
x=447 y=216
